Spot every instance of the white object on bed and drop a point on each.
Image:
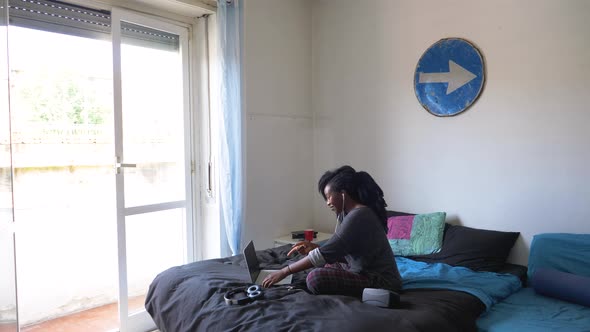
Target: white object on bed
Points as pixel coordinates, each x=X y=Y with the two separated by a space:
x=380 y=297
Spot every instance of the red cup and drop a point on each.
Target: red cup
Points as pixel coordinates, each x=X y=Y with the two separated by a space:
x=308 y=233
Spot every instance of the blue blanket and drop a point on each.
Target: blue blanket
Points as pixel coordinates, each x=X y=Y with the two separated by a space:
x=526 y=311
x=489 y=287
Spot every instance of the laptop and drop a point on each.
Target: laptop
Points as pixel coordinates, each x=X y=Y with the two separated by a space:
x=256 y=274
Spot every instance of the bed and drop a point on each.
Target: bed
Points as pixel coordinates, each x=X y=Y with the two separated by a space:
x=557 y=298
x=443 y=291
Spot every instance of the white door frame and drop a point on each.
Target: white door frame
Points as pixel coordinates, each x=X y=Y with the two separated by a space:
x=141 y=321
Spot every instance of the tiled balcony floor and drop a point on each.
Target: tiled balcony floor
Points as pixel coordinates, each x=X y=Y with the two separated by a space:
x=100 y=319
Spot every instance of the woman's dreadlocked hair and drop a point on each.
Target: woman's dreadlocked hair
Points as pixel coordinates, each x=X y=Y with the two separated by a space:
x=358 y=185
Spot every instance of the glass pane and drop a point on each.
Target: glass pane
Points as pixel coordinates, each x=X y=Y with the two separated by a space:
x=155 y=242
x=8 y=321
x=153 y=122
x=7 y=286
x=64 y=182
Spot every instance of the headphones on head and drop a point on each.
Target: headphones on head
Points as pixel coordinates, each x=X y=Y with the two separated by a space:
x=246 y=295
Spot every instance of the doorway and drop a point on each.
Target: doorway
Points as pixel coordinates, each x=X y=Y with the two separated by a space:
x=100 y=150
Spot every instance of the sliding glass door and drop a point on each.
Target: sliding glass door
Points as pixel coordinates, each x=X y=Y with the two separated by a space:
x=95 y=163
x=62 y=156
x=152 y=144
x=8 y=317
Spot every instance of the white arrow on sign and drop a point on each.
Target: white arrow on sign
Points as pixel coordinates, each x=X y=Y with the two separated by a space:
x=456 y=77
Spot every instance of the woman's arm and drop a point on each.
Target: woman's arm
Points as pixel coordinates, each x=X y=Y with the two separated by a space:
x=300 y=265
x=303 y=247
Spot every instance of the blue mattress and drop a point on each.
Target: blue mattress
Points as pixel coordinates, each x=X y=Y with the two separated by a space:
x=526 y=311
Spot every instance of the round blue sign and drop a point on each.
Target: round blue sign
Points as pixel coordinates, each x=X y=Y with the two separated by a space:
x=449 y=77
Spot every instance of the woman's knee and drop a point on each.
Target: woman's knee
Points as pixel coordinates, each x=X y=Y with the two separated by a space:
x=315 y=281
x=332 y=281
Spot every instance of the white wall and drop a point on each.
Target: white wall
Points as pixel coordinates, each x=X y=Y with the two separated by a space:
x=278 y=124
x=517 y=160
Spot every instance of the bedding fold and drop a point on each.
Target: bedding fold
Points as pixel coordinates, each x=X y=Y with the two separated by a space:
x=489 y=287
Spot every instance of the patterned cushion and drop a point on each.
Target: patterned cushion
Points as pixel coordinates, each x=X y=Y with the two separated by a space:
x=419 y=234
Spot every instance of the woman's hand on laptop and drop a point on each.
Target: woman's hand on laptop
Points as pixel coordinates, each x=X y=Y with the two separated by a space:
x=300 y=265
x=303 y=247
x=274 y=277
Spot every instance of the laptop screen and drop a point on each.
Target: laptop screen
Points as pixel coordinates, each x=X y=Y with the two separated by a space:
x=251 y=261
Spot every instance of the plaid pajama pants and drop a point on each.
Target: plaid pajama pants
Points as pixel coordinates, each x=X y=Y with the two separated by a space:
x=335 y=279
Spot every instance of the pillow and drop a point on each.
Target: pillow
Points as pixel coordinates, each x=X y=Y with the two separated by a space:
x=477 y=249
x=565 y=252
x=419 y=234
x=562 y=285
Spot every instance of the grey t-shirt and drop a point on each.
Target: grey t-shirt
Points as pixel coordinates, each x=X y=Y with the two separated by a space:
x=361 y=240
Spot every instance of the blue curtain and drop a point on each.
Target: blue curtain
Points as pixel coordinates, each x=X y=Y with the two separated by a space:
x=230 y=164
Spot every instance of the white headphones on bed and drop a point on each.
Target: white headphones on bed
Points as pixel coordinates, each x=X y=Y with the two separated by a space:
x=244 y=295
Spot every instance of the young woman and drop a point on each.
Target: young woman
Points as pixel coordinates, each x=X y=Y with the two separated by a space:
x=358 y=255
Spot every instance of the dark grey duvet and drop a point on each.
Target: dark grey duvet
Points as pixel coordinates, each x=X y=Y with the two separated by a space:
x=190 y=298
